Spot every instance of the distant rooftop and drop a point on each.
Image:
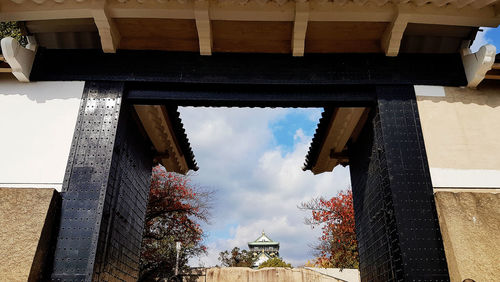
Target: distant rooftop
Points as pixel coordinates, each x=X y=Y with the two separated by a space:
x=263 y=240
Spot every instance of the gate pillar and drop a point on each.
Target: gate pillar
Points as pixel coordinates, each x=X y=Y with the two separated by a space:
x=396 y=221
x=105 y=191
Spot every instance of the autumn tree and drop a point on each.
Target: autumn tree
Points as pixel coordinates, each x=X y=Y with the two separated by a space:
x=338 y=246
x=174 y=213
x=275 y=262
x=236 y=258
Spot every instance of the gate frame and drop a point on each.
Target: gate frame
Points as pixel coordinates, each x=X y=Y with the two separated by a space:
x=278 y=81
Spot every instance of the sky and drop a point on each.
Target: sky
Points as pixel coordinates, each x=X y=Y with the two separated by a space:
x=252 y=159
x=487 y=36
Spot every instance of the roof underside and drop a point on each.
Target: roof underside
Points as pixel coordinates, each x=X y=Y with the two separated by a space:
x=336 y=127
x=254 y=26
x=250 y=37
x=164 y=127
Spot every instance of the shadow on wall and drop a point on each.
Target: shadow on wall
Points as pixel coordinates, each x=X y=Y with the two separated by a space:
x=487 y=94
x=41 y=92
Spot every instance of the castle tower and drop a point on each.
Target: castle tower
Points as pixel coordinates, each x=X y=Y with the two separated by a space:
x=263 y=248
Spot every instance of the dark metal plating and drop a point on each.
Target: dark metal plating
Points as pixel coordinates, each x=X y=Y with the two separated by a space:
x=396 y=221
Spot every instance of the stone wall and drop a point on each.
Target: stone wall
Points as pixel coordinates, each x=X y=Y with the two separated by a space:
x=470 y=225
x=27 y=230
x=272 y=274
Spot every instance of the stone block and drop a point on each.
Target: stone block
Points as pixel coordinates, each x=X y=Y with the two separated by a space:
x=28 y=219
x=470 y=226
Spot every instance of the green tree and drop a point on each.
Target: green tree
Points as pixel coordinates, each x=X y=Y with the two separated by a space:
x=275 y=262
x=236 y=258
x=12 y=29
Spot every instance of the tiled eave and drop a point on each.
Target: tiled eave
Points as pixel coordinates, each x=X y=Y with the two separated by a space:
x=166 y=131
x=263 y=244
x=329 y=145
x=318 y=138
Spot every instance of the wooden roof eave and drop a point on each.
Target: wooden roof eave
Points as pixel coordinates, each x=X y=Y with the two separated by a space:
x=328 y=147
x=160 y=129
x=473 y=13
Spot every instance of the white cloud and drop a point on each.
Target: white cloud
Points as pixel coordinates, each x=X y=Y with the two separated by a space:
x=481 y=39
x=258 y=184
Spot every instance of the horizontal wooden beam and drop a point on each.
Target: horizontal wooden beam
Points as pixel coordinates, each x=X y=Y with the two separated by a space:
x=253 y=11
x=496 y=66
x=492 y=76
x=254 y=69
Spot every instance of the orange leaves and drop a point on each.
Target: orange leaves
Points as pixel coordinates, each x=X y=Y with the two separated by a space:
x=338 y=245
x=174 y=213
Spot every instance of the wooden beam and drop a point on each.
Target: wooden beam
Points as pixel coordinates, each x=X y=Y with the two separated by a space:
x=478 y=4
x=391 y=39
x=341 y=129
x=202 y=17
x=110 y=37
x=463 y=3
x=300 y=28
x=492 y=76
x=158 y=127
x=253 y=11
x=496 y=66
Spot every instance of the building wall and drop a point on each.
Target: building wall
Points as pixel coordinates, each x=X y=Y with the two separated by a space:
x=37 y=122
x=461 y=131
x=269 y=274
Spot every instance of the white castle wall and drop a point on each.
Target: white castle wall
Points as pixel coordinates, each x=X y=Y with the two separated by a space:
x=37 y=122
x=461 y=128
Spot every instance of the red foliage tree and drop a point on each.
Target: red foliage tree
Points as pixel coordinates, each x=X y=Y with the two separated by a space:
x=338 y=246
x=174 y=213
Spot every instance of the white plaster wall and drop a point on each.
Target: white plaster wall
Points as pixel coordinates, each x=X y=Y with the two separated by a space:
x=37 y=121
x=461 y=128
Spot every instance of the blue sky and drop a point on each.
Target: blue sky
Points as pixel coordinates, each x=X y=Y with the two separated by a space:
x=252 y=158
x=487 y=36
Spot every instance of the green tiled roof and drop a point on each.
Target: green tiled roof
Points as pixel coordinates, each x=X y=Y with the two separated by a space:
x=263 y=243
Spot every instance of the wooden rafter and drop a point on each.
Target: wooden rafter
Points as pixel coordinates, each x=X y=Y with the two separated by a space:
x=203 y=26
x=391 y=39
x=110 y=37
x=300 y=28
x=159 y=129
